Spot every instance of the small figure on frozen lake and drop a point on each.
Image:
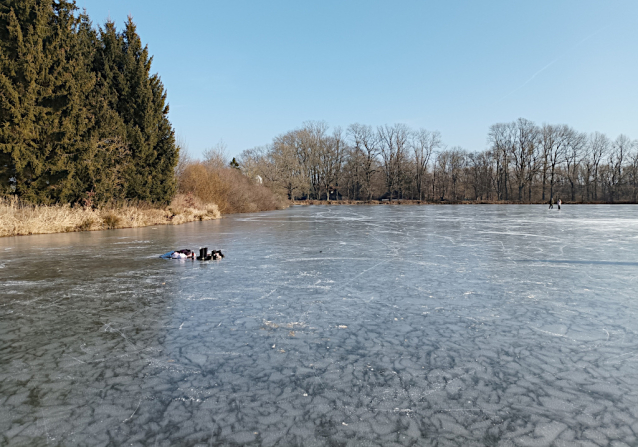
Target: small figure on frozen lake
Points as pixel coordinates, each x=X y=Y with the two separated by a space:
x=551 y=203
x=559 y=203
x=205 y=256
x=179 y=254
x=189 y=254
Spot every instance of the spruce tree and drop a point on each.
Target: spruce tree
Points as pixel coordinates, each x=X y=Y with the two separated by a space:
x=24 y=34
x=80 y=113
x=145 y=112
x=45 y=81
x=73 y=117
x=101 y=168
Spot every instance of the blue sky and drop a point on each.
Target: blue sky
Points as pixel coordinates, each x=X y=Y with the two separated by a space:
x=246 y=71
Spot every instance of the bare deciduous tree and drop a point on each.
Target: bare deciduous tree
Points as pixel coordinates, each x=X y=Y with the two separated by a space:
x=620 y=148
x=596 y=149
x=330 y=154
x=553 y=142
x=574 y=148
x=524 y=163
x=423 y=143
x=521 y=137
x=366 y=147
x=216 y=157
x=394 y=144
x=500 y=138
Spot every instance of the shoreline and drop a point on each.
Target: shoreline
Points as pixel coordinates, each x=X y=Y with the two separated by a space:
x=21 y=219
x=18 y=219
x=446 y=202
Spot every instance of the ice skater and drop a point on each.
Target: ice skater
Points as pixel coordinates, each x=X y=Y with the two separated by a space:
x=551 y=203
x=559 y=203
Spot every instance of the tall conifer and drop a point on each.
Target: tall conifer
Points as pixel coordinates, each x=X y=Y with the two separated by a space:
x=80 y=112
x=73 y=119
x=25 y=33
x=101 y=168
x=144 y=111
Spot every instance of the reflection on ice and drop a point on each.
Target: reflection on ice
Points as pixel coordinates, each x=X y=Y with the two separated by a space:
x=468 y=325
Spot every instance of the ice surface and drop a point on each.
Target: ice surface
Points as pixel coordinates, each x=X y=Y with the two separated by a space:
x=407 y=325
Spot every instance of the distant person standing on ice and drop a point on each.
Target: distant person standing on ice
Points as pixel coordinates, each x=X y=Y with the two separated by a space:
x=551 y=203
x=559 y=202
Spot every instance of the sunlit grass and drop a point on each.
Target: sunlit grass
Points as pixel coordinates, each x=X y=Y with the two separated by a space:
x=19 y=218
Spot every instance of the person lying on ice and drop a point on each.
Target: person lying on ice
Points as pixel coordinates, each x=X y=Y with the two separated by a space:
x=179 y=254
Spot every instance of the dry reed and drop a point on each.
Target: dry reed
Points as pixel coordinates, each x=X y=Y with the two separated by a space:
x=18 y=218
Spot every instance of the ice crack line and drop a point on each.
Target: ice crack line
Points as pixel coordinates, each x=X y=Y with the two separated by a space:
x=131 y=416
x=363 y=272
x=77 y=359
x=46 y=429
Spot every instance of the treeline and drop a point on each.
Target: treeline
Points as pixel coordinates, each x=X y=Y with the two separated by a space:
x=524 y=163
x=81 y=116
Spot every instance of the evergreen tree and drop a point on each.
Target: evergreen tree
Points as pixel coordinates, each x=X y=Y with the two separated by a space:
x=45 y=115
x=73 y=120
x=101 y=168
x=24 y=36
x=79 y=111
x=145 y=112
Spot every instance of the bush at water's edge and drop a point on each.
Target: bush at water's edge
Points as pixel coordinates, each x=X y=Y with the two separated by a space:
x=232 y=191
x=21 y=218
x=205 y=194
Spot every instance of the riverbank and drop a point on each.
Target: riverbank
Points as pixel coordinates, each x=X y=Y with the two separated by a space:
x=445 y=202
x=18 y=218
x=21 y=219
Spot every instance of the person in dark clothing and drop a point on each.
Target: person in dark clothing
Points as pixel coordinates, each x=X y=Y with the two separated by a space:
x=205 y=256
x=559 y=203
x=551 y=203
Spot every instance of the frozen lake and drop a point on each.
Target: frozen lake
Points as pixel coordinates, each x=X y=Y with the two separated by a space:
x=328 y=326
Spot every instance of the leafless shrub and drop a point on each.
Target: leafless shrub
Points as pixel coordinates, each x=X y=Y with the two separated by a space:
x=228 y=188
x=111 y=220
x=86 y=225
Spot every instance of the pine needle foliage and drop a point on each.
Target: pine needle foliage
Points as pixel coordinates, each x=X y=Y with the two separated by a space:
x=81 y=113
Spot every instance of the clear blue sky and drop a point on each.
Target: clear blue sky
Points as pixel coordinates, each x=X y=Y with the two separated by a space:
x=245 y=71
